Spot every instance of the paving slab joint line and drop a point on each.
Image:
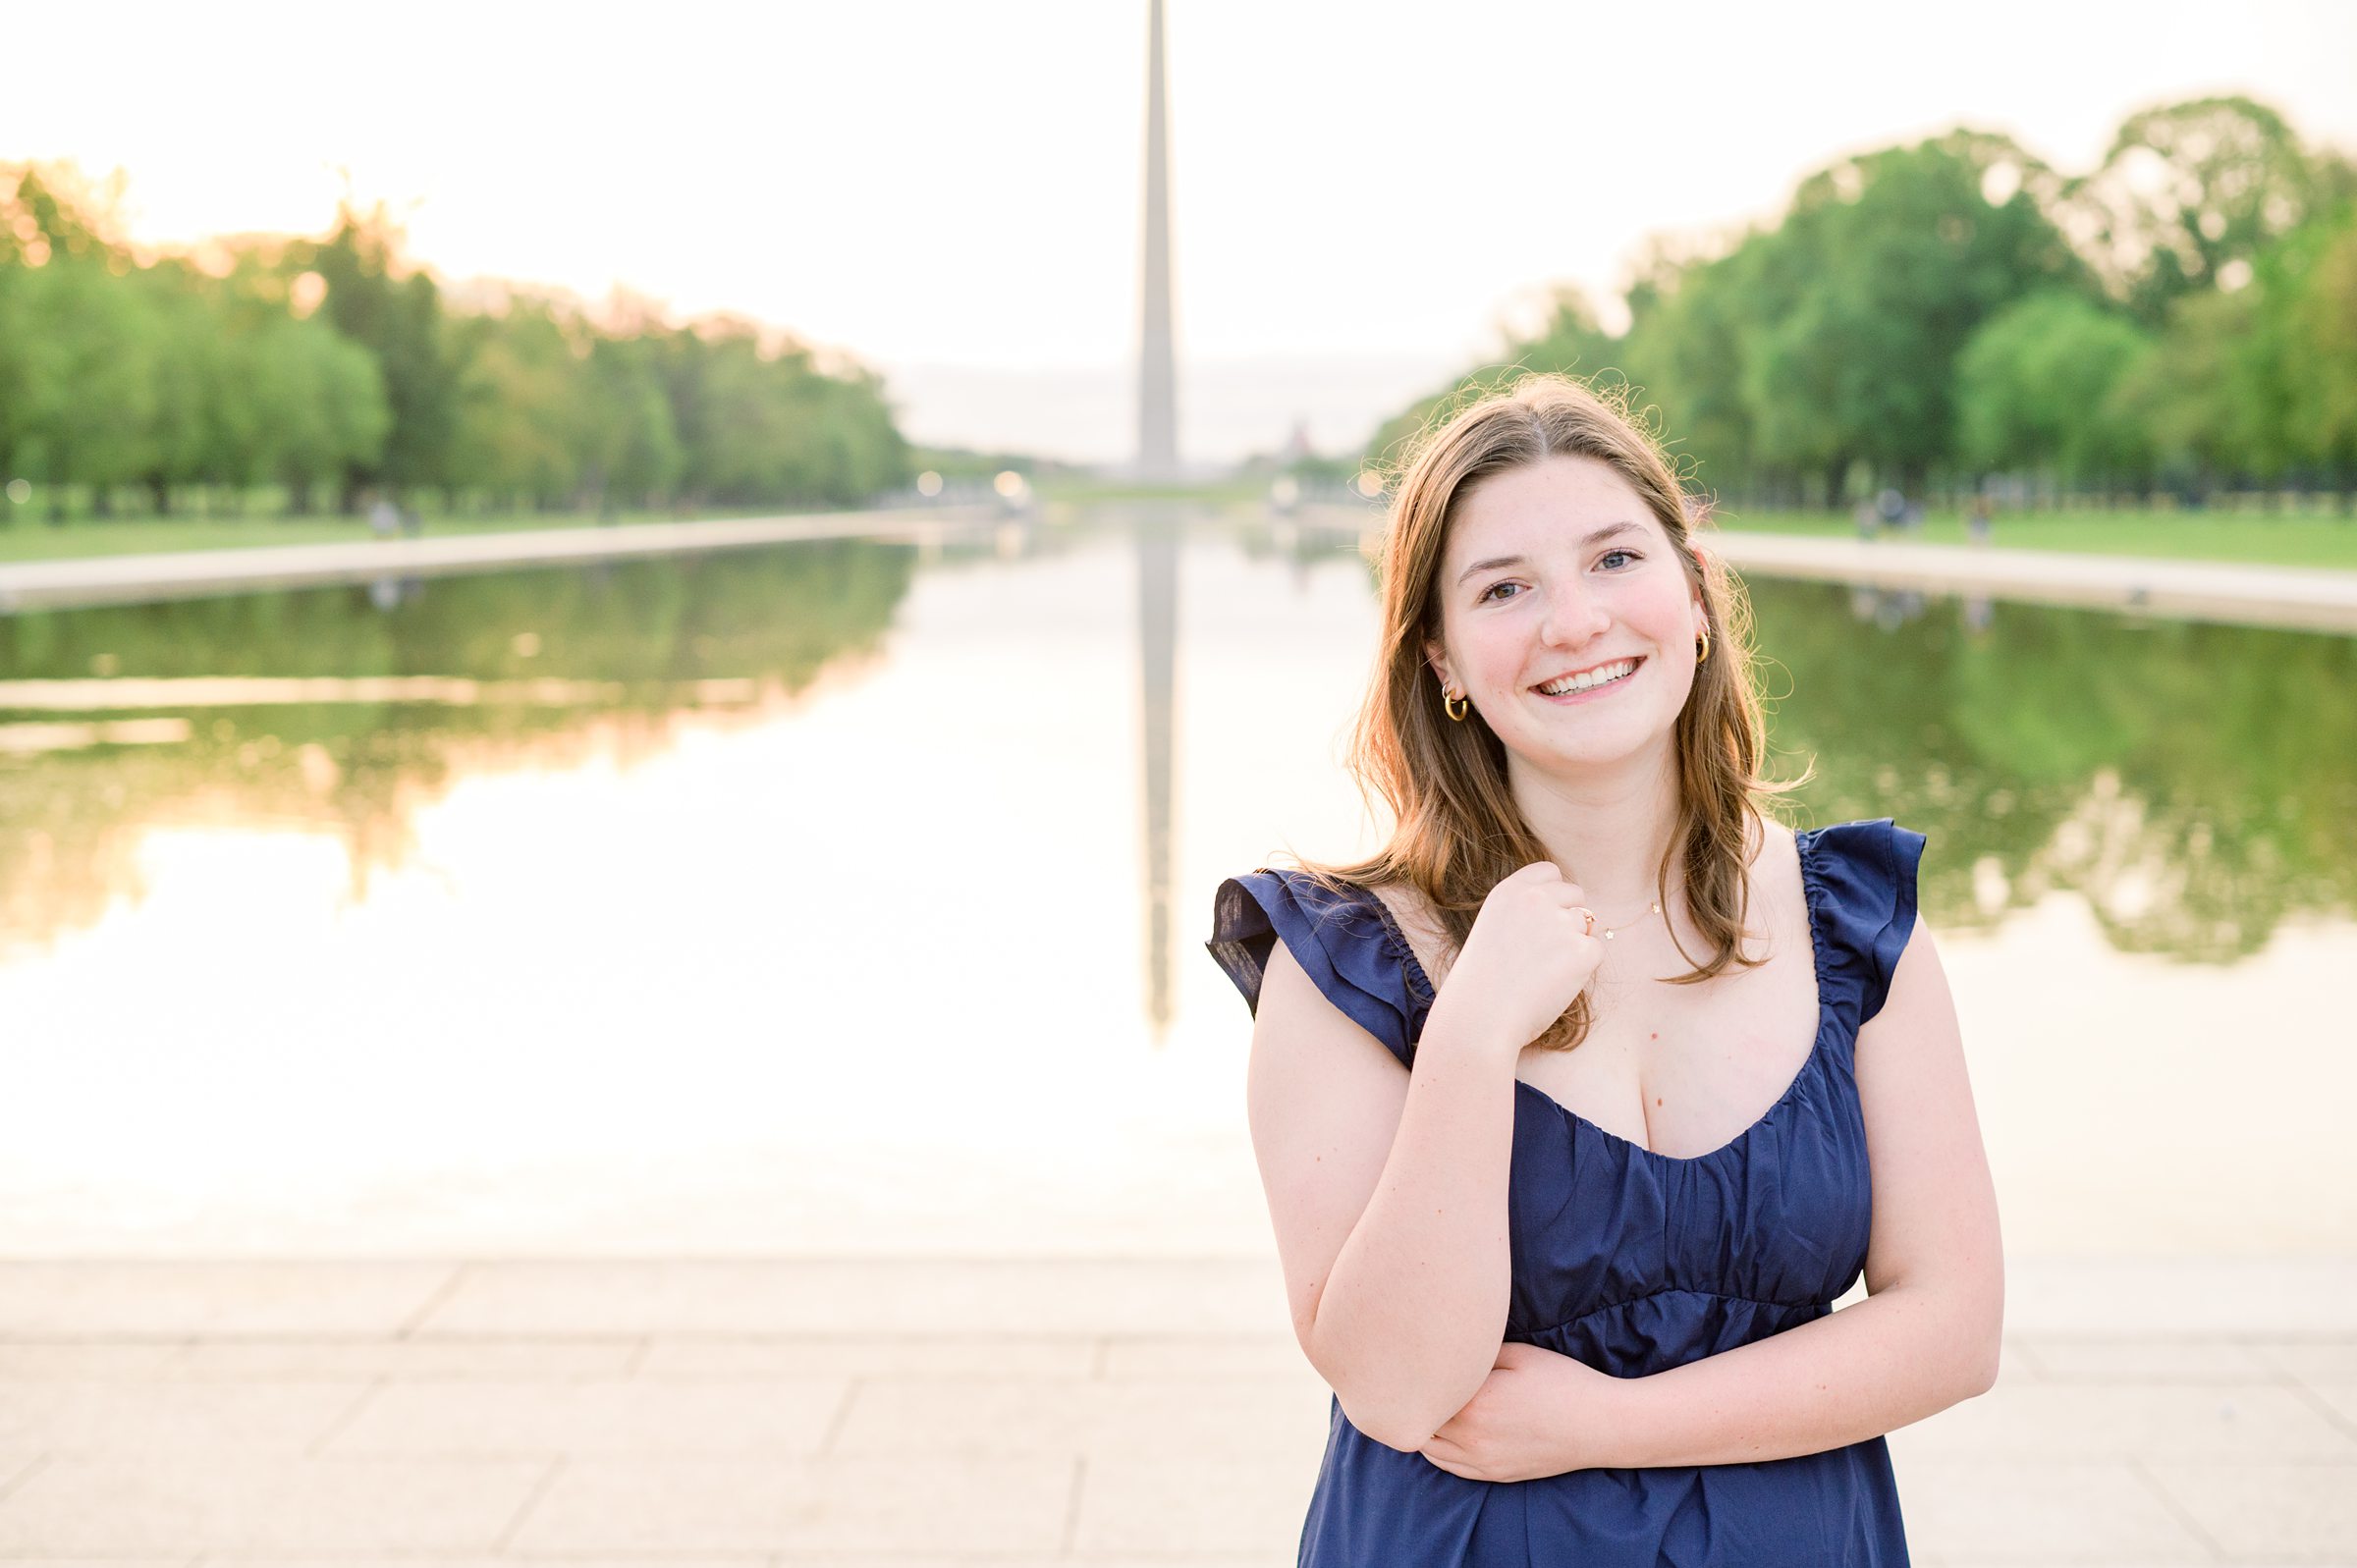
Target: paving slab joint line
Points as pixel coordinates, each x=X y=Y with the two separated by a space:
x=23 y=1473
x=350 y=1414
x=841 y=1416
x=2316 y=1402
x=532 y=1499
x=2177 y=1510
x=2269 y=1353
x=434 y=1302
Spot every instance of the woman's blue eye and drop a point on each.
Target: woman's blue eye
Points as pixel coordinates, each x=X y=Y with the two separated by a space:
x=1510 y=584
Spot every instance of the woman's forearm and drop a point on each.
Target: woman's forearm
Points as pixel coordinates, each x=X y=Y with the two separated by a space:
x=1411 y=1315
x=1869 y=1369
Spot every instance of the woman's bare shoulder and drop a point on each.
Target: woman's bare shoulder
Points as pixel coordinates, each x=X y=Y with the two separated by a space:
x=1426 y=937
x=1775 y=846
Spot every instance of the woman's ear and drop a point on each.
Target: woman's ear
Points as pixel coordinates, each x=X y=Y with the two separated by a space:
x=1436 y=658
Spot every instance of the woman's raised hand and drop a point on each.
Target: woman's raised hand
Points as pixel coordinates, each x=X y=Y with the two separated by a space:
x=1532 y=949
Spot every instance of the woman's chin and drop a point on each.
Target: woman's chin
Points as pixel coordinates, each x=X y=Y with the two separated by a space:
x=1601 y=748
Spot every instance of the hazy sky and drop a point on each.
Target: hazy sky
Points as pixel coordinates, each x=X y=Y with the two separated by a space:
x=950 y=189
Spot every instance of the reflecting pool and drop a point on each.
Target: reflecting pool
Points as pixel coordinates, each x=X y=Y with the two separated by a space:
x=848 y=897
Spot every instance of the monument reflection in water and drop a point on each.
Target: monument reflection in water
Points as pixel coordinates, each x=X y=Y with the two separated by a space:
x=848 y=897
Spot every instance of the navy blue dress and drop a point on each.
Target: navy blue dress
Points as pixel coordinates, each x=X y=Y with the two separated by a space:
x=1630 y=1261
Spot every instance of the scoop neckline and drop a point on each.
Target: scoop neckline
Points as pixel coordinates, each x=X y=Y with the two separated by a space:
x=1804 y=844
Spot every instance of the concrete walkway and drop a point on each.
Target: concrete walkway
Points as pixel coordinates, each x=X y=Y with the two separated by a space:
x=195 y=573
x=929 y=1412
x=2306 y=597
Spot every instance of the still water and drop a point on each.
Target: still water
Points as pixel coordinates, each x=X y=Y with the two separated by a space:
x=848 y=897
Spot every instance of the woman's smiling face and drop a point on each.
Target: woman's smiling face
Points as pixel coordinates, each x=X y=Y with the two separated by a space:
x=1559 y=569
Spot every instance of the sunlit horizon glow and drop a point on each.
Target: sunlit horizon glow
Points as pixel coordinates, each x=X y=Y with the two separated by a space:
x=946 y=191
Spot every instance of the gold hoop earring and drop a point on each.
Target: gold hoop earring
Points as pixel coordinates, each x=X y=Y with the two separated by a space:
x=1702 y=652
x=1455 y=707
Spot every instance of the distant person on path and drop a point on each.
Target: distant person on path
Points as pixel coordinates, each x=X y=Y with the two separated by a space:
x=1891 y=508
x=1977 y=518
x=383 y=519
x=1562 y=1099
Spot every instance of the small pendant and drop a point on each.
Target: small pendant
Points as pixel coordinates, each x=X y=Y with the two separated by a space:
x=1607 y=936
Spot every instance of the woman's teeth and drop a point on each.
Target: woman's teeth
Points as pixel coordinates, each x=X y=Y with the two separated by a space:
x=1602 y=675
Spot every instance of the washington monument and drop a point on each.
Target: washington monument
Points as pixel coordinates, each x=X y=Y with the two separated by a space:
x=1156 y=388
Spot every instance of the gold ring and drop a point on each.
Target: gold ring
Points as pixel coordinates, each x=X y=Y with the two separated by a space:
x=1588 y=915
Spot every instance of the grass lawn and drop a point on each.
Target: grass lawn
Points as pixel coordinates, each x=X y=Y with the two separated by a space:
x=2283 y=538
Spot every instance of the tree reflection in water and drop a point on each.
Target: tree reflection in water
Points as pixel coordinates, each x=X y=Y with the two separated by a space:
x=2196 y=783
x=500 y=668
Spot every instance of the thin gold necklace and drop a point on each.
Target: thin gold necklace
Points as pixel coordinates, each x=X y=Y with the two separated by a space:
x=1610 y=930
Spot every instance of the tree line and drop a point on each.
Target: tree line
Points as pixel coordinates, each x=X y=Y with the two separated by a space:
x=333 y=370
x=2181 y=319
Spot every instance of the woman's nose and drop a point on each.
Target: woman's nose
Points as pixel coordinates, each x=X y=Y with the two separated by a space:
x=1575 y=617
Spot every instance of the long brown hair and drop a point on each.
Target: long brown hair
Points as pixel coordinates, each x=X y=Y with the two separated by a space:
x=1458 y=829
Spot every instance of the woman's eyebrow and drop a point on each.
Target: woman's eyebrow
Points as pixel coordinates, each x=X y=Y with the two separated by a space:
x=1601 y=534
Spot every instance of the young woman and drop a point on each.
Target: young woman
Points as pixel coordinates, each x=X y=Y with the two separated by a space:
x=1580 y=1102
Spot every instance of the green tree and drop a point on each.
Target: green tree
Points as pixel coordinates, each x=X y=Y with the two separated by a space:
x=760 y=420
x=2323 y=332
x=322 y=404
x=2188 y=188
x=1866 y=293
x=47 y=212
x=632 y=451
x=333 y=361
x=518 y=432
x=1686 y=340
x=197 y=405
x=2301 y=357
x=2188 y=393
x=394 y=311
x=2034 y=390
x=90 y=352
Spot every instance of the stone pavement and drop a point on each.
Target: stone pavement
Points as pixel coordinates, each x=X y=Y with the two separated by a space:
x=904 y=1413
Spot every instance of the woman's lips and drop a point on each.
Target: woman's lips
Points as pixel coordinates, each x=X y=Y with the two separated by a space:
x=1592 y=692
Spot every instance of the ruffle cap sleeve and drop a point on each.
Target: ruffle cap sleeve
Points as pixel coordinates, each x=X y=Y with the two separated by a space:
x=1339 y=941
x=1863 y=893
